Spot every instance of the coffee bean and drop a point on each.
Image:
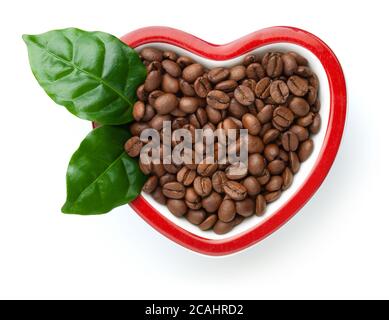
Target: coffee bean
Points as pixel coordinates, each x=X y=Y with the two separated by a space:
x=260 y=205
x=274 y=66
x=153 y=81
x=212 y=202
x=290 y=64
x=172 y=68
x=290 y=141
x=311 y=95
x=170 y=84
x=173 y=190
x=158 y=196
x=153 y=96
x=306 y=120
x=139 y=110
x=141 y=93
x=244 y=95
x=184 y=61
x=154 y=66
x=237 y=73
x=255 y=71
x=264 y=178
x=301 y=61
x=287 y=178
x=133 y=146
x=276 y=167
x=270 y=136
x=171 y=55
x=189 y=104
x=196 y=217
x=313 y=81
x=299 y=106
x=279 y=91
x=186 y=88
x=251 y=123
x=271 y=151
x=218 y=180
x=202 y=86
x=235 y=190
x=218 y=99
x=252 y=185
x=254 y=144
x=303 y=71
x=186 y=176
x=316 y=124
x=236 y=171
x=228 y=124
x=227 y=85
x=166 y=103
x=266 y=114
x=168 y=177
x=192 y=199
x=208 y=223
x=283 y=155
x=192 y=72
x=301 y=132
x=250 y=58
x=256 y=164
x=151 y=184
x=223 y=227
x=246 y=207
x=149 y=113
x=158 y=169
x=151 y=54
x=236 y=110
x=272 y=196
x=262 y=89
x=206 y=169
x=305 y=150
x=157 y=121
x=177 y=207
x=227 y=210
x=294 y=162
x=218 y=74
x=282 y=118
x=298 y=86
x=202 y=186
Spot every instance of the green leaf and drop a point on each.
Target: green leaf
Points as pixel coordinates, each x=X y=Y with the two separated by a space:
x=93 y=74
x=101 y=176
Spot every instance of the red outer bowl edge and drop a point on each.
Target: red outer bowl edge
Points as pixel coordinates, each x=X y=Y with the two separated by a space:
x=338 y=104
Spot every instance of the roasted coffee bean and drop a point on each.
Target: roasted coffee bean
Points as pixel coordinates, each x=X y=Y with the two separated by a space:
x=184 y=61
x=282 y=118
x=305 y=150
x=311 y=95
x=255 y=71
x=196 y=217
x=192 y=199
x=151 y=54
x=236 y=110
x=136 y=128
x=178 y=123
x=264 y=178
x=206 y=169
x=237 y=73
x=212 y=202
x=303 y=71
x=290 y=64
x=154 y=66
x=290 y=141
x=170 y=84
x=186 y=88
x=177 y=207
x=153 y=96
x=252 y=185
x=250 y=58
x=138 y=111
x=173 y=190
x=208 y=223
x=294 y=162
x=301 y=61
x=276 y=167
x=274 y=66
x=186 y=176
x=202 y=86
x=223 y=227
x=283 y=155
x=272 y=196
x=244 y=95
x=316 y=124
x=227 y=210
x=145 y=167
x=254 y=144
x=279 y=91
x=149 y=113
x=228 y=124
x=166 y=103
x=307 y=120
x=141 y=93
x=260 y=205
x=287 y=178
x=172 y=68
x=192 y=72
x=218 y=99
x=266 y=114
x=246 y=207
x=202 y=186
x=157 y=121
x=219 y=178
x=167 y=177
x=133 y=146
x=235 y=190
x=171 y=55
x=236 y=171
x=158 y=196
x=299 y=106
x=189 y=104
x=153 y=80
x=151 y=184
x=251 y=123
x=270 y=136
x=313 y=81
x=256 y=164
x=227 y=85
x=217 y=75
x=301 y=132
x=298 y=86
x=158 y=169
x=262 y=89
x=271 y=152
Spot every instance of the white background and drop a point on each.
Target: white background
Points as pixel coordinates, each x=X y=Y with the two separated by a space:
x=336 y=247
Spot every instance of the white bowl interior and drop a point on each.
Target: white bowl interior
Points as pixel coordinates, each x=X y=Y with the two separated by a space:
x=306 y=167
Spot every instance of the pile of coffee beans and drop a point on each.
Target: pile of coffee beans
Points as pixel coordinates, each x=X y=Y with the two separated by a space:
x=273 y=96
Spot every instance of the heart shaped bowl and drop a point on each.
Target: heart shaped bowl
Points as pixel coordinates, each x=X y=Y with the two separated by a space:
x=333 y=97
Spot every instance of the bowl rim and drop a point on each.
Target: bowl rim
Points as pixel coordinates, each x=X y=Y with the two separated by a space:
x=333 y=136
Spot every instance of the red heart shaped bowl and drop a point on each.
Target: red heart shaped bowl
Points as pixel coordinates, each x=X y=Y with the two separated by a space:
x=333 y=98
